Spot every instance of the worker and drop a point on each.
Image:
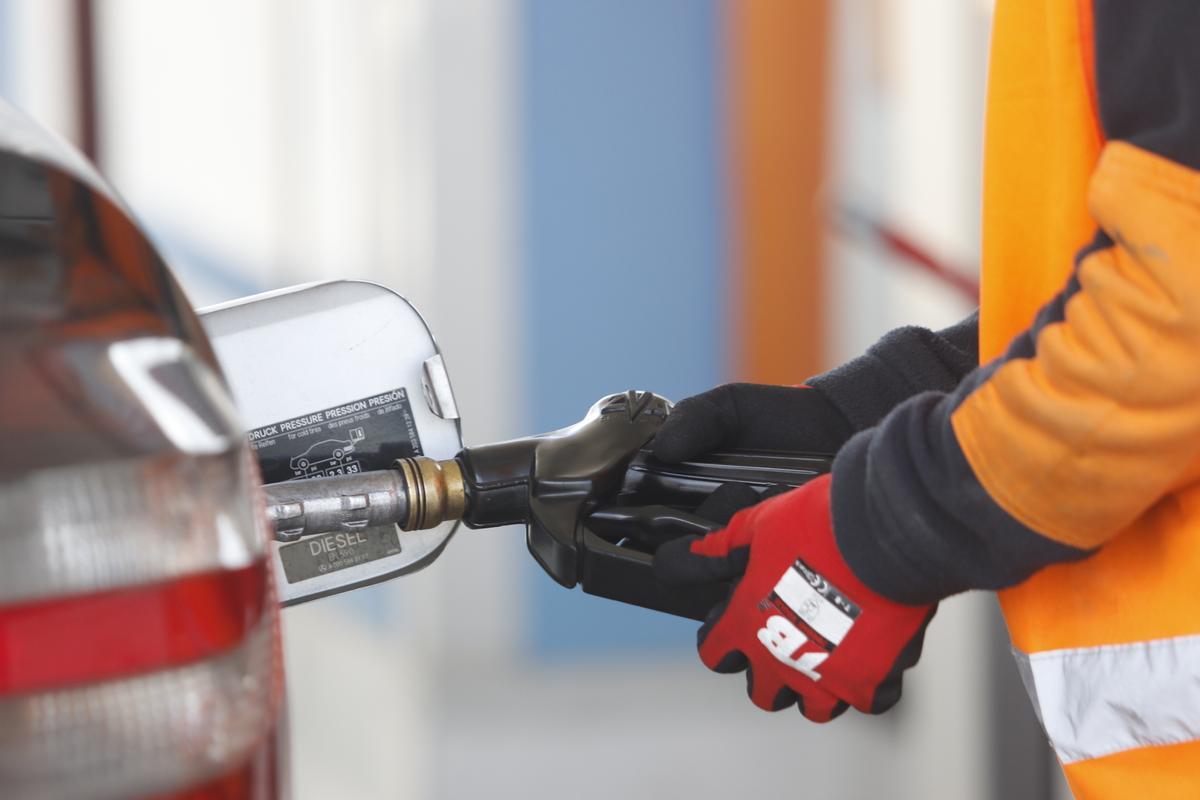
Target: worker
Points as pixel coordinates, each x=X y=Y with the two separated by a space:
x=1063 y=473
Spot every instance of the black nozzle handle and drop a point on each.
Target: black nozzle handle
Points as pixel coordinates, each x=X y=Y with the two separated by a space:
x=654 y=506
x=618 y=559
x=686 y=484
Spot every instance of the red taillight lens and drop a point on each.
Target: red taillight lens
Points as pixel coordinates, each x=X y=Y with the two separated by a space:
x=139 y=646
x=48 y=644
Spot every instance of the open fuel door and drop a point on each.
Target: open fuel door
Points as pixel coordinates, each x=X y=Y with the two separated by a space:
x=334 y=379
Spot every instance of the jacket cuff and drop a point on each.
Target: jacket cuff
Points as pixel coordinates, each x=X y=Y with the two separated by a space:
x=904 y=363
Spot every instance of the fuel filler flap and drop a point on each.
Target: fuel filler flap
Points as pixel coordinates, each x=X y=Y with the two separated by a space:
x=332 y=379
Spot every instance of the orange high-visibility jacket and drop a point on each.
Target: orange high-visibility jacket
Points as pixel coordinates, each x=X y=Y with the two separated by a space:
x=1065 y=471
x=1093 y=135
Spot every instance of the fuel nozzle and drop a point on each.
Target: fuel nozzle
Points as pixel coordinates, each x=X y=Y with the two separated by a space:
x=417 y=494
x=594 y=500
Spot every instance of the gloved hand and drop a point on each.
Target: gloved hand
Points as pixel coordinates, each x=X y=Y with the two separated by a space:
x=752 y=417
x=805 y=628
x=850 y=398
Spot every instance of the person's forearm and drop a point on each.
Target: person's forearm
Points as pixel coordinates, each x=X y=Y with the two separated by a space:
x=1091 y=417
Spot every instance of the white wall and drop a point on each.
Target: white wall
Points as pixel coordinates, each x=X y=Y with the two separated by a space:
x=39 y=62
x=907 y=92
x=272 y=143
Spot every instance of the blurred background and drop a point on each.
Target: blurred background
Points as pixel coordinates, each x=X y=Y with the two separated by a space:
x=582 y=196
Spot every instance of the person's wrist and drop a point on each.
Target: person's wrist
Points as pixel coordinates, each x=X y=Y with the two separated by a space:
x=864 y=543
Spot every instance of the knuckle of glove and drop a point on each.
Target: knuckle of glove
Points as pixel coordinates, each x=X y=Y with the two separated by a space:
x=668 y=555
x=696 y=425
x=675 y=563
x=766 y=691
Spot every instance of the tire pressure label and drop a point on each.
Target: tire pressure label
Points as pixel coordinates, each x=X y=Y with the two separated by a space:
x=356 y=436
x=319 y=555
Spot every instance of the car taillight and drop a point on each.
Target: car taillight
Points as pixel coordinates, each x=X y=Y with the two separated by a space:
x=139 y=648
x=139 y=644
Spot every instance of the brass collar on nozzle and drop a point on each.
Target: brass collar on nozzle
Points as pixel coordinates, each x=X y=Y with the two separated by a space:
x=436 y=492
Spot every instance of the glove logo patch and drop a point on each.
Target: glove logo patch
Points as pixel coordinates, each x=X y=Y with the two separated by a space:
x=783 y=640
x=817 y=604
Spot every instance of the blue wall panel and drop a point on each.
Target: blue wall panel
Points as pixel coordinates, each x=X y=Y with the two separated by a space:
x=624 y=238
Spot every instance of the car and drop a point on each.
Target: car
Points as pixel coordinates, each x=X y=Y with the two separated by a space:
x=139 y=644
x=324 y=454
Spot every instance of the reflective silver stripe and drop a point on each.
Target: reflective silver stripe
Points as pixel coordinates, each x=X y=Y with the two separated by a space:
x=1096 y=701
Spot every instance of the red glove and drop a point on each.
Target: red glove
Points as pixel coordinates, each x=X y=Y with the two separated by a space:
x=806 y=629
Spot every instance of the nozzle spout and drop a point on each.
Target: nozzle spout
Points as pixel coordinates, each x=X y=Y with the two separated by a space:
x=419 y=493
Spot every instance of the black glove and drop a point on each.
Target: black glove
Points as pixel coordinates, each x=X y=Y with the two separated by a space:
x=820 y=417
x=748 y=416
